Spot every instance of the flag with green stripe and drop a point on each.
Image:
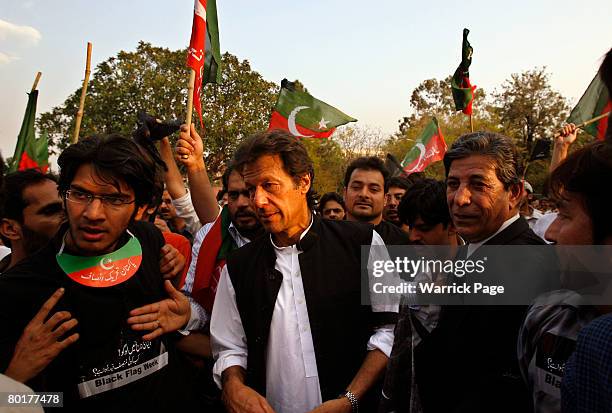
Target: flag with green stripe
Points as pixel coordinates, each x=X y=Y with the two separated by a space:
x=463 y=90
x=594 y=102
x=430 y=147
x=305 y=116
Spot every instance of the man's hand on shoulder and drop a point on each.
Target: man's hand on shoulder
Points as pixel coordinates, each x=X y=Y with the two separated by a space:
x=40 y=342
x=341 y=405
x=163 y=316
x=240 y=398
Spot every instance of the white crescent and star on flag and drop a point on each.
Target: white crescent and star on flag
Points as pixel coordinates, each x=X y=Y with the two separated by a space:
x=293 y=127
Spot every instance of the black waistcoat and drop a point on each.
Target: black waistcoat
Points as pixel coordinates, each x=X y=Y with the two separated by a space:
x=330 y=265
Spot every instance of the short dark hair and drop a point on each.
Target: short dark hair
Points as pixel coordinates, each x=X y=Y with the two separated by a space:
x=296 y=161
x=583 y=173
x=400 y=182
x=425 y=199
x=226 y=175
x=368 y=163
x=499 y=148
x=12 y=202
x=331 y=196
x=113 y=157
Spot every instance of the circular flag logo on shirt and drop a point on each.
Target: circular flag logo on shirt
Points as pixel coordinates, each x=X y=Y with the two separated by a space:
x=104 y=270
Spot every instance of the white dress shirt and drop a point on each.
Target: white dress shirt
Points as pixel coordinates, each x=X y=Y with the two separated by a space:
x=199 y=316
x=473 y=246
x=292 y=381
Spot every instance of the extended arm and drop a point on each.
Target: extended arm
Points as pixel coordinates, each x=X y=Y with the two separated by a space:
x=190 y=151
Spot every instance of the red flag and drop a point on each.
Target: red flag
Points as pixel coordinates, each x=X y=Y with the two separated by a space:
x=430 y=147
x=195 y=53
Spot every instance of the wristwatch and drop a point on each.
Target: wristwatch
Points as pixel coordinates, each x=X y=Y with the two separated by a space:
x=352 y=399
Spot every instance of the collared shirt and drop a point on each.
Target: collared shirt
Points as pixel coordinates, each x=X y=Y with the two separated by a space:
x=199 y=316
x=473 y=246
x=292 y=382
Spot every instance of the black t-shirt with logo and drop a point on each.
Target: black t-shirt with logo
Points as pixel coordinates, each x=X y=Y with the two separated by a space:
x=110 y=366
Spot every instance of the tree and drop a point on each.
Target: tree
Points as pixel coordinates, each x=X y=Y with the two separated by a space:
x=433 y=97
x=154 y=79
x=528 y=107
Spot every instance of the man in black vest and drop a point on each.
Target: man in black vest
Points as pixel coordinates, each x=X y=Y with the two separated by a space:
x=289 y=333
x=365 y=185
x=470 y=357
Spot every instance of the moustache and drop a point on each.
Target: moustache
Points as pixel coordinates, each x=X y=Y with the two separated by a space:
x=245 y=214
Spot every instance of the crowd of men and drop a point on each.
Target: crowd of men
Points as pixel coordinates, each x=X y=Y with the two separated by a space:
x=124 y=289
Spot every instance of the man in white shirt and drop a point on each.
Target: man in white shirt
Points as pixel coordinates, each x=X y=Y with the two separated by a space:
x=289 y=333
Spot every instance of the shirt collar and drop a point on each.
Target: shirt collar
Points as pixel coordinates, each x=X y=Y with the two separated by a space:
x=236 y=235
x=276 y=247
x=473 y=246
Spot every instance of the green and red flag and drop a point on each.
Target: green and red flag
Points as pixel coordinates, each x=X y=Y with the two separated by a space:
x=204 y=53
x=463 y=90
x=303 y=115
x=30 y=152
x=594 y=102
x=216 y=245
x=430 y=147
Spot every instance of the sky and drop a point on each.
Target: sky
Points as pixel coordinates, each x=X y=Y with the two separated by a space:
x=362 y=57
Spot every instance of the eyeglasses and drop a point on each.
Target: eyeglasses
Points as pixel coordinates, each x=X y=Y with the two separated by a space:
x=80 y=197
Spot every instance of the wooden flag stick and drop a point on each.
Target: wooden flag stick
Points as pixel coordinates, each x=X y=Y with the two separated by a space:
x=35 y=85
x=79 y=116
x=190 y=90
x=471 y=124
x=586 y=123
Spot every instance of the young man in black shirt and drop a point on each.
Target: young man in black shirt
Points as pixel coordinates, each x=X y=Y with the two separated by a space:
x=108 y=265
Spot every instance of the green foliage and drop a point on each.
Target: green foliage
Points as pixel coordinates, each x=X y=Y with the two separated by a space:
x=529 y=108
x=154 y=79
x=329 y=164
x=525 y=108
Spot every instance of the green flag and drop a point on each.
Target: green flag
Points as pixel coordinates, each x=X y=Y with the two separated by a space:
x=429 y=148
x=463 y=91
x=303 y=115
x=30 y=152
x=594 y=102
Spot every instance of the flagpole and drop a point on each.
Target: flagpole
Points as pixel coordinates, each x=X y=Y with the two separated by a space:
x=35 y=85
x=188 y=116
x=471 y=124
x=79 y=116
x=190 y=89
x=586 y=123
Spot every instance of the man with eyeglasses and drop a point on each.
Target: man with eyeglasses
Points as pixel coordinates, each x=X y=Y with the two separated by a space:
x=106 y=266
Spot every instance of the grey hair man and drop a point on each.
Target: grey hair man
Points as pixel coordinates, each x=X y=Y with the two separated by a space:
x=474 y=347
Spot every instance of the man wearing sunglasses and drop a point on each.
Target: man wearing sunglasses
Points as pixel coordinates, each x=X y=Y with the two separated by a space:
x=108 y=266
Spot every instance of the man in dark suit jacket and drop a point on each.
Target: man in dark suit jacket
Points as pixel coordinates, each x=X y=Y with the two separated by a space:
x=468 y=363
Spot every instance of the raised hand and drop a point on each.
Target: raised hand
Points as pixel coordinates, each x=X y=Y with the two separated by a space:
x=163 y=316
x=40 y=342
x=190 y=148
x=567 y=135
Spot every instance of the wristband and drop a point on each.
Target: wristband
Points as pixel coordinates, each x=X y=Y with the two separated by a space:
x=352 y=399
